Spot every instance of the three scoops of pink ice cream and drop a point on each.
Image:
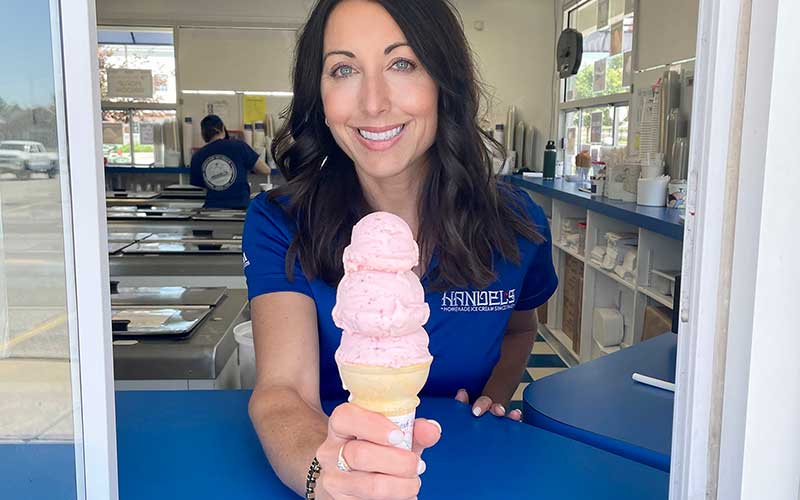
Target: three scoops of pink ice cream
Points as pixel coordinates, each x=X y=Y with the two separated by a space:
x=380 y=302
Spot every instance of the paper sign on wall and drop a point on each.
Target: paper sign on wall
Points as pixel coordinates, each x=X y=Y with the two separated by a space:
x=254 y=108
x=599 y=82
x=130 y=83
x=222 y=109
x=626 y=69
x=602 y=14
x=616 y=38
x=146 y=133
x=596 y=131
x=113 y=133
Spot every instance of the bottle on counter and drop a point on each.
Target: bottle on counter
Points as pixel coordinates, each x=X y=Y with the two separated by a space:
x=549 y=161
x=248 y=134
x=500 y=133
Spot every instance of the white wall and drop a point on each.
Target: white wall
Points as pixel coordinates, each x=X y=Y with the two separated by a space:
x=667 y=31
x=203 y=12
x=515 y=55
x=514 y=51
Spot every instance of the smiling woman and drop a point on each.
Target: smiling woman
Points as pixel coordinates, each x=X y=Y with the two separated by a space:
x=385 y=118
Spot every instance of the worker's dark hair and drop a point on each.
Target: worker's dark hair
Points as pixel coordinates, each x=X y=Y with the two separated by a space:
x=466 y=217
x=211 y=126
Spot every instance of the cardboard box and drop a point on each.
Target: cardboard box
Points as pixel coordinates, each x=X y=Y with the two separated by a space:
x=573 y=299
x=657 y=320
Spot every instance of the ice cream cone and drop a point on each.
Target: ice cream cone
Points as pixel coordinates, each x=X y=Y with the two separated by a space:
x=383 y=357
x=385 y=390
x=389 y=391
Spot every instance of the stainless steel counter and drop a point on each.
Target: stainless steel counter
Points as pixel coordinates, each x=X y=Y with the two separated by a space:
x=205 y=360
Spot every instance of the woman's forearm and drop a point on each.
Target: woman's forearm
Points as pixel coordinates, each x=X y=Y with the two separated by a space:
x=290 y=431
x=514 y=354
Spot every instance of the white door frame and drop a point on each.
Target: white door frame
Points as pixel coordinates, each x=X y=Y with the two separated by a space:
x=88 y=289
x=738 y=400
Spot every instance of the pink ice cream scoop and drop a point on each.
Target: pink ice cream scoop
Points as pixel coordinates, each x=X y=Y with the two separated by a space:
x=380 y=302
x=381 y=242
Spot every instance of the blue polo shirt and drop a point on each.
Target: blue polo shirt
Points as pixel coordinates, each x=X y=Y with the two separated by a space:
x=466 y=326
x=221 y=167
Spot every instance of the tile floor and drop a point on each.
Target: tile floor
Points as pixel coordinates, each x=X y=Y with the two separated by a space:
x=542 y=362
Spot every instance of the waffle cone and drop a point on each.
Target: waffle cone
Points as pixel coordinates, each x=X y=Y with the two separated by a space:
x=386 y=390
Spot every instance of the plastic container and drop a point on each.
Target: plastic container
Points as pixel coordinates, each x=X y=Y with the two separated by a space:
x=243 y=333
x=248 y=134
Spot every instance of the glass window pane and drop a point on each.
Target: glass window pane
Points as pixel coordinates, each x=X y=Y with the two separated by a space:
x=155 y=62
x=148 y=137
x=37 y=403
x=621 y=128
x=117 y=137
x=571 y=140
x=607 y=40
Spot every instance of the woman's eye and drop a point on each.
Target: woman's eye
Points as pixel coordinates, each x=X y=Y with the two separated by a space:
x=403 y=65
x=342 y=72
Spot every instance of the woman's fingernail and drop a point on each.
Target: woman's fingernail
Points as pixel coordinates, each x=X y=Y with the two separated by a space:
x=421 y=467
x=502 y=410
x=396 y=436
x=476 y=411
x=437 y=424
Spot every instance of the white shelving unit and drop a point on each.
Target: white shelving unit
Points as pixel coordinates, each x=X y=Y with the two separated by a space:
x=601 y=287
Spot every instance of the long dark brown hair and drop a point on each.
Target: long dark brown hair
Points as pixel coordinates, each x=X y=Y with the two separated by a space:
x=466 y=216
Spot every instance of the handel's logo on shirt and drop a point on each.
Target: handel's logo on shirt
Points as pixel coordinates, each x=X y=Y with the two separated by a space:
x=479 y=300
x=219 y=172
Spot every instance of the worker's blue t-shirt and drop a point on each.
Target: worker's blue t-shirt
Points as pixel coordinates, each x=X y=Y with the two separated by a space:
x=221 y=167
x=466 y=326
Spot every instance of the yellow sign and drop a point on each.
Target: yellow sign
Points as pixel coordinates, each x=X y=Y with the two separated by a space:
x=254 y=108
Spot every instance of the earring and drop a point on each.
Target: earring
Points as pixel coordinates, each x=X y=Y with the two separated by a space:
x=324 y=160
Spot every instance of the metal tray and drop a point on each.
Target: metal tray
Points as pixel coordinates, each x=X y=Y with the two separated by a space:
x=161 y=248
x=165 y=296
x=140 y=195
x=156 y=322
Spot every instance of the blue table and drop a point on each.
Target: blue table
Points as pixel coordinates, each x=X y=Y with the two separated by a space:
x=597 y=403
x=200 y=444
x=189 y=445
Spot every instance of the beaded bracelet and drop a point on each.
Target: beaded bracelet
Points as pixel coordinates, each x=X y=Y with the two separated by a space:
x=311 y=479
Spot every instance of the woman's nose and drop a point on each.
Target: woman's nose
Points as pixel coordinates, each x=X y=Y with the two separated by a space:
x=375 y=94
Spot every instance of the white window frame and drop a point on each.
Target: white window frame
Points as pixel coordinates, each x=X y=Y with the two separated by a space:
x=89 y=304
x=614 y=100
x=131 y=106
x=737 y=402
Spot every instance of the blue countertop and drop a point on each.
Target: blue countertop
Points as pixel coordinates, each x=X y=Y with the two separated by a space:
x=201 y=444
x=146 y=170
x=599 y=404
x=127 y=169
x=661 y=220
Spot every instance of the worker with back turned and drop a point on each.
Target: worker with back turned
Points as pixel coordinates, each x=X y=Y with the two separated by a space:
x=222 y=166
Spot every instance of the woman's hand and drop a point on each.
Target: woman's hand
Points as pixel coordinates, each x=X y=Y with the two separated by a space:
x=367 y=442
x=484 y=404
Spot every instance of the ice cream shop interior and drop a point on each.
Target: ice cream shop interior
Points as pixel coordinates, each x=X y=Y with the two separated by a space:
x=399 y=249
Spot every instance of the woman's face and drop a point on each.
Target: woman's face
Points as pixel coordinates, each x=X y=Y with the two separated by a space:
x=380 y=103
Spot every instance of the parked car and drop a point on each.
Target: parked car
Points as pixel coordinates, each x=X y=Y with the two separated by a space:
x=27 y=157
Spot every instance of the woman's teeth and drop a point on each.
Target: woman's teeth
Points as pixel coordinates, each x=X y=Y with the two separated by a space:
x=381 y=136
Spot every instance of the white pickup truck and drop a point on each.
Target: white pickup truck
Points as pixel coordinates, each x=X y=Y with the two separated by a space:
x=27 y=157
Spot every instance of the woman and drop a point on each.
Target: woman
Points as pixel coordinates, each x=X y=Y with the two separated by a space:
x=384 y=117
x=222 y=165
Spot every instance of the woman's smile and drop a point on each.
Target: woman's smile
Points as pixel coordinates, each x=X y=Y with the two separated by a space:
x=379 y=138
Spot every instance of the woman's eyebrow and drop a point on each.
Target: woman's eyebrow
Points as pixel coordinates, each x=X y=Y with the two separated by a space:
x=394 y=46
x=352 y=56
x=342 y=52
